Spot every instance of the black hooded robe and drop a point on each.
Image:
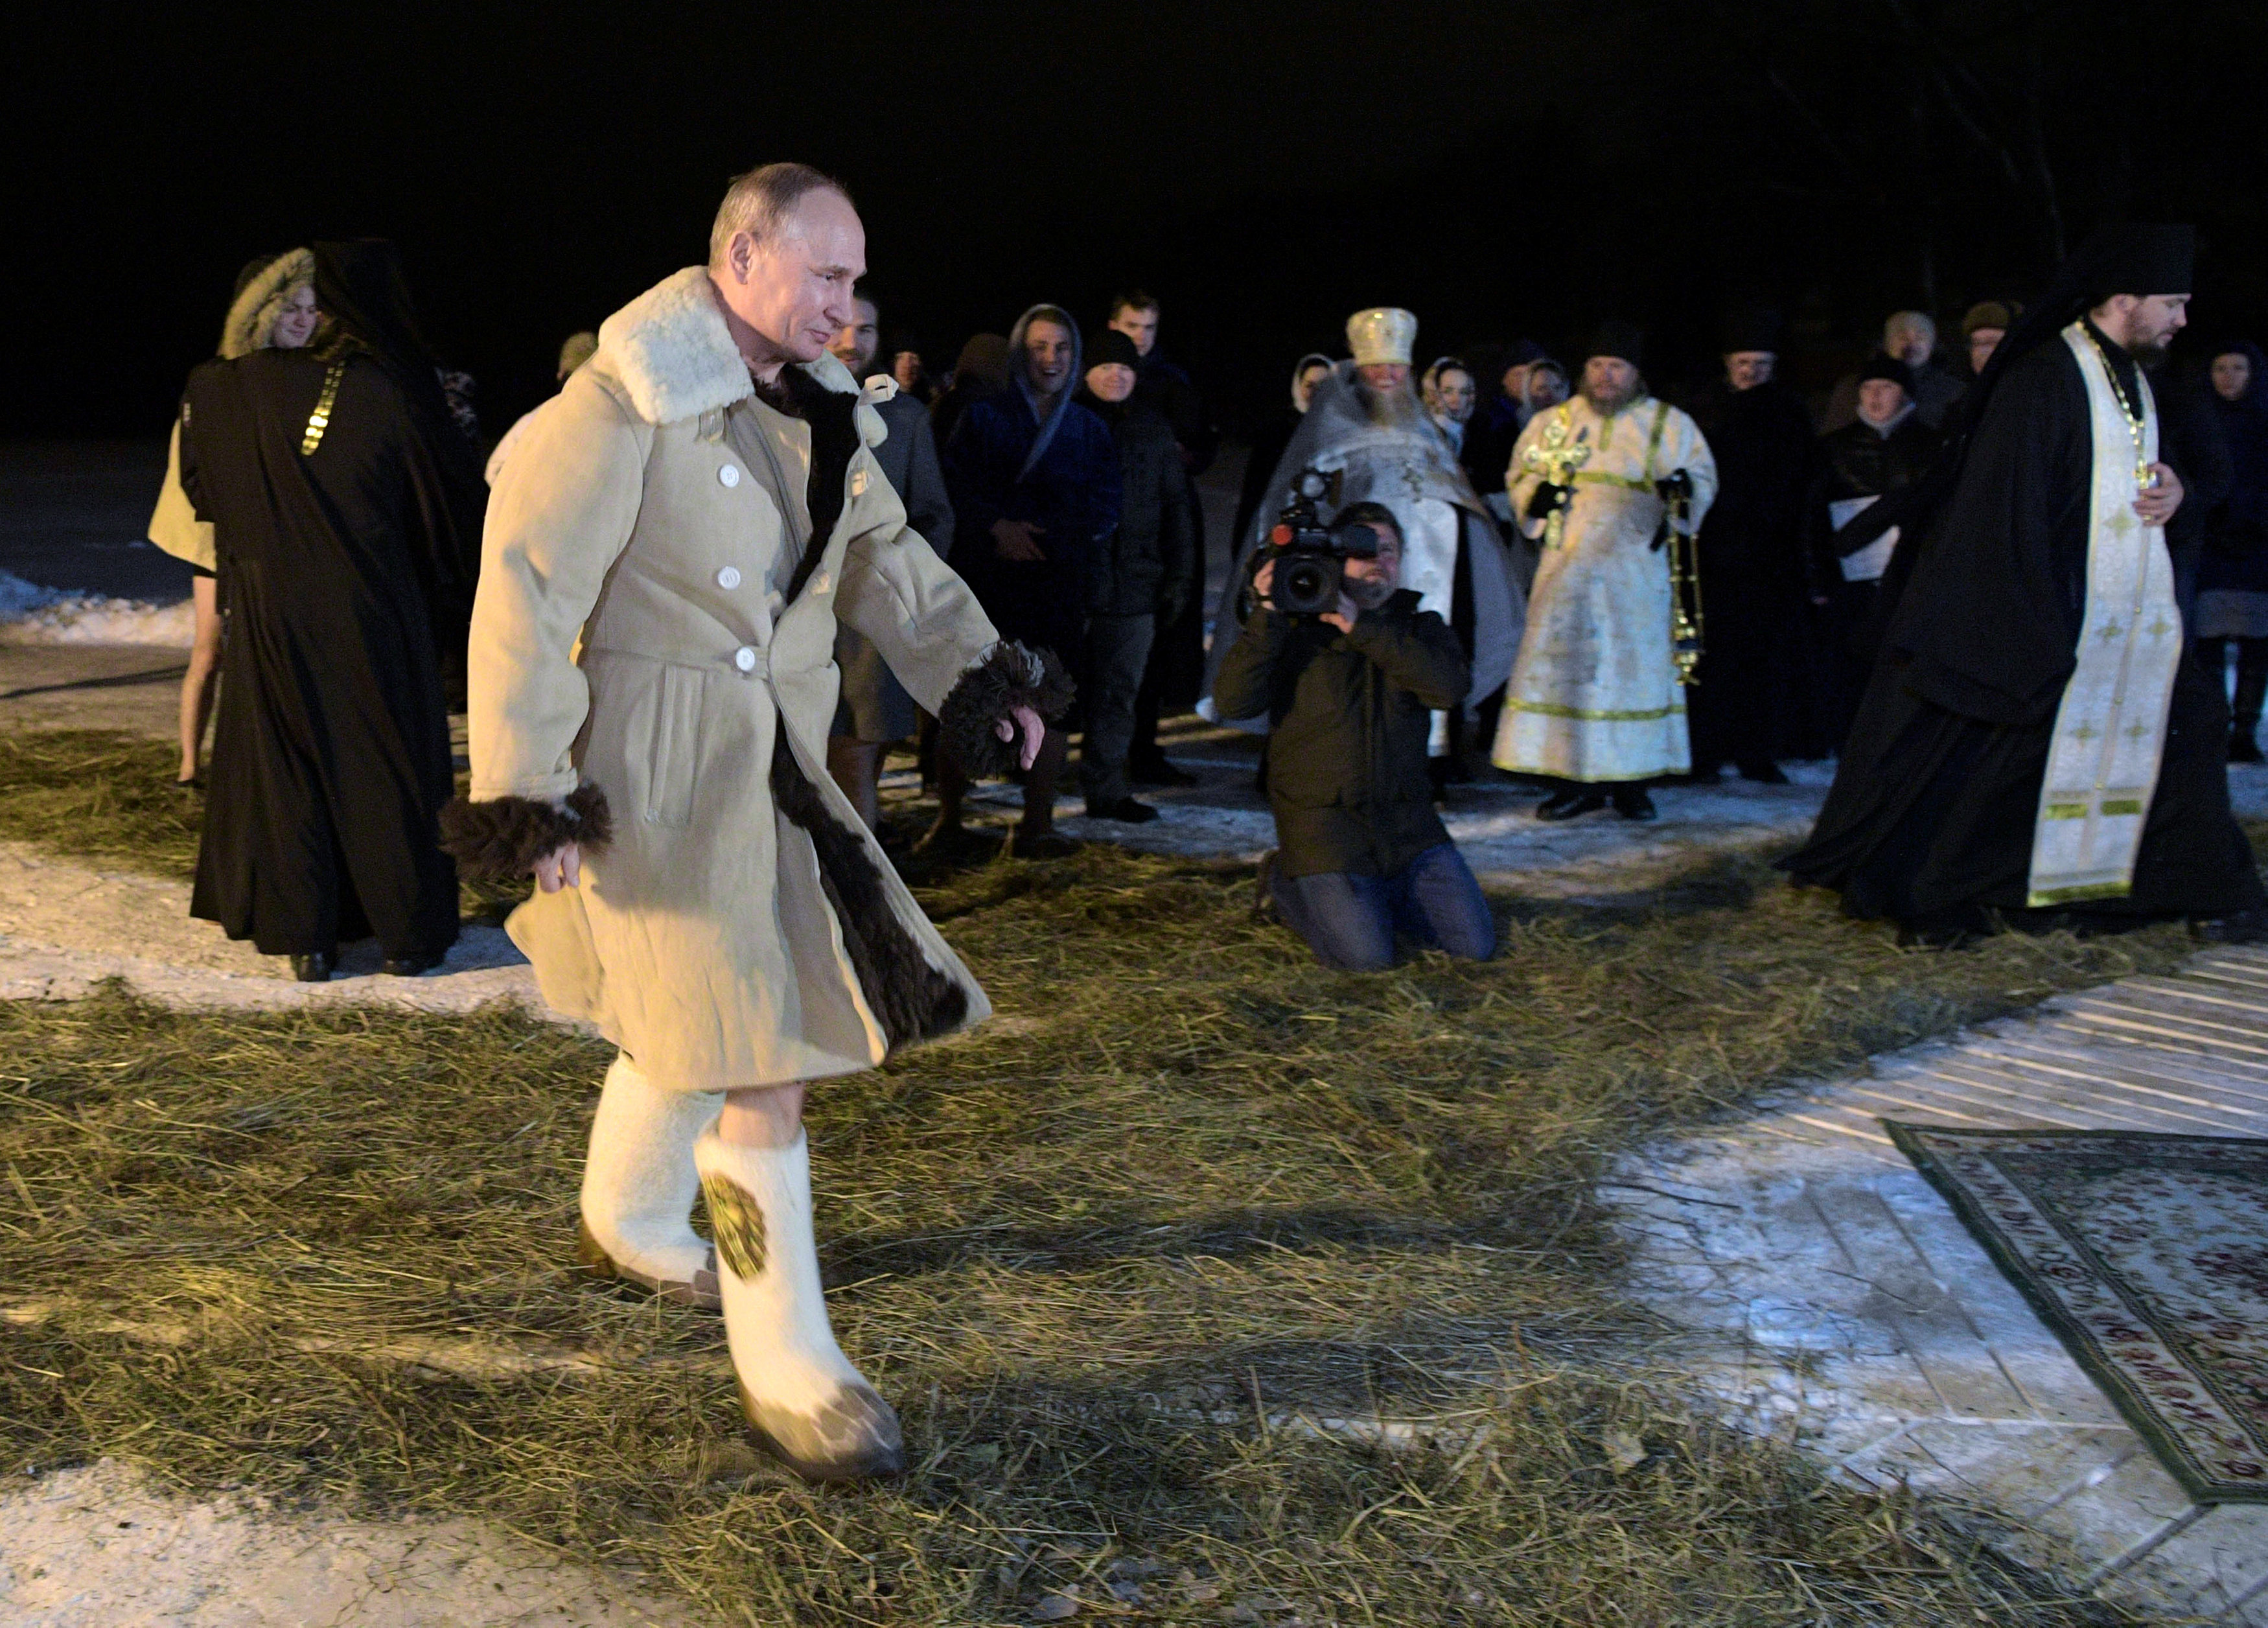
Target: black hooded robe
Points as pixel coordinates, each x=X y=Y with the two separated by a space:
x=1932 y=815
x=331 y=760
x=1750 y=556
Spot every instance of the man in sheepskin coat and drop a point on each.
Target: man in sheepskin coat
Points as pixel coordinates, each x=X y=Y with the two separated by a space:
x=667 y=555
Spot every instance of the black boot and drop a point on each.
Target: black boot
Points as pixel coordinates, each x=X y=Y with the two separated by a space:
x=1632 y=803
x=2251 y=689
x=1157 y=771
x=2245 y=926
x=315 y=967
x=1566 y=805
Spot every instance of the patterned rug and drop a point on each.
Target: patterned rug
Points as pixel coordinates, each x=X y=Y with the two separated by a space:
x=2148 y=1256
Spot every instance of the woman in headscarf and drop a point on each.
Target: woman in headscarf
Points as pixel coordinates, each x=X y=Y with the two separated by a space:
x=2232 y=600
x=1450 y=395
x=273 y=304
x=345 y=506
x=1268 y=446
x=1034 y=480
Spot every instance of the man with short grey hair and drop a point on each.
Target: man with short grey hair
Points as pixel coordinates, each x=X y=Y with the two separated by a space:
x=667 y=558
x=756 y=204
x=1910 y=337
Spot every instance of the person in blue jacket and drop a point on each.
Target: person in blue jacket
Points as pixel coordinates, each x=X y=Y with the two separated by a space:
x=1034 y=480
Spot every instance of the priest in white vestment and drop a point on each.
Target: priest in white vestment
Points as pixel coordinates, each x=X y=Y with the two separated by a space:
x=2041 y=747
x=1594 y=700
x=1365 y=424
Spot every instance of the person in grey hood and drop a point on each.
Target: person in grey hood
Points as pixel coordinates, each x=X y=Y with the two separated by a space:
x=1034 y=480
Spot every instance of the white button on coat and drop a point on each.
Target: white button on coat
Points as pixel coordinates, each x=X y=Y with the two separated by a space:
x=729 y=475
x=728 y=578
x=745 y=658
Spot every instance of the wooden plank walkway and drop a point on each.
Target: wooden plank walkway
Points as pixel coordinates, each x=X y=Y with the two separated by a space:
x=1861 y=1317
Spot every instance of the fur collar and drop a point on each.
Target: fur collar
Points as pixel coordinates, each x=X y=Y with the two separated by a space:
x=251 y=324
x=675 y=357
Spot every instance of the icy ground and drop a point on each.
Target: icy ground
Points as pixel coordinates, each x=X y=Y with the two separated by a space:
x=76 y=567
x=85 y=615
x=31 y=614
x=101 y=1546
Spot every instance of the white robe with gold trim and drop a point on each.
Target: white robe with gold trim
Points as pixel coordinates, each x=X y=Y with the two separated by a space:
x=1593 y=695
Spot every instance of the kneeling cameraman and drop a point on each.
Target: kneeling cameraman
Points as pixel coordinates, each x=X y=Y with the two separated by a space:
x=1361 y=853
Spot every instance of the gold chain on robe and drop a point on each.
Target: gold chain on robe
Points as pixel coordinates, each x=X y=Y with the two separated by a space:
x=320 y=420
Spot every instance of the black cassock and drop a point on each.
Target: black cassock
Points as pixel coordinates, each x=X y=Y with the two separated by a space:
x=1750 y=558
x=331 y=755
x=1931 y=814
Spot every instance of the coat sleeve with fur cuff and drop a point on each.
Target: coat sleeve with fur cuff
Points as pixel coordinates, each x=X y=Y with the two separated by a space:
x=560 y=516
x=1010 y=676
x=503 y=837
x=943 y=648
x=914 y=609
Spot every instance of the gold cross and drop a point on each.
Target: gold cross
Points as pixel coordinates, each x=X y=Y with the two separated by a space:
x=2137 y=731
x=2159 y=627
x=2109 y=630
x=2120 y=523
x=2084 y=733
x=1555 y=456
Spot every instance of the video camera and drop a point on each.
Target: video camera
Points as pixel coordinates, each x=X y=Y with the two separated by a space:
x=1310 y=557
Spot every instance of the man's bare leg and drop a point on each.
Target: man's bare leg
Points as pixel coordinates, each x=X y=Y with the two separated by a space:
x=803 y=1400
x=198 y=682
x=766 y=1116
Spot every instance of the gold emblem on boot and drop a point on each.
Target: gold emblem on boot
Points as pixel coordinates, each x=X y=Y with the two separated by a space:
x=738 y=1224
x=853 y=1436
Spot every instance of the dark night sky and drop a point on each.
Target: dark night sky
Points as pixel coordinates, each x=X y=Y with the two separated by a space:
x=1518 y=168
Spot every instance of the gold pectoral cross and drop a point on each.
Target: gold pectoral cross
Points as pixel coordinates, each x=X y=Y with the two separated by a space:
x=1555 y=457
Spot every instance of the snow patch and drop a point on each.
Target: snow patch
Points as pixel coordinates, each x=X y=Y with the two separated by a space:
x=33 y=615
x=103 y=1543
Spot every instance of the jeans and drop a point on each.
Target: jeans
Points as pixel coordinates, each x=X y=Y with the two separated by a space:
x=1117 y=650
x=1350 y=921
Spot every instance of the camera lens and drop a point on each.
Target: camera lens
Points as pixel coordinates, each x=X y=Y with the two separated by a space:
x=1306 y=586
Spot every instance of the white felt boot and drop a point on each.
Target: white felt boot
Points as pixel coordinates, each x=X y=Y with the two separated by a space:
x=639 y=1184
x=804 y=1403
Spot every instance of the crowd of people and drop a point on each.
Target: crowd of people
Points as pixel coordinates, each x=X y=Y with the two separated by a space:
x=703 y=587
x=1555 y=518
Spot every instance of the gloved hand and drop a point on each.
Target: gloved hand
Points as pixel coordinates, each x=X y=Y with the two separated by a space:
x=1675 y=484
x=1546 y=498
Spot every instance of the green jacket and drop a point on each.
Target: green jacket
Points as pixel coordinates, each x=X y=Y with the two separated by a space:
x=1346 y=757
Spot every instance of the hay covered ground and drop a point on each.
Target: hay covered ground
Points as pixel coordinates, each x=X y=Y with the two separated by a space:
x=1113 y=1256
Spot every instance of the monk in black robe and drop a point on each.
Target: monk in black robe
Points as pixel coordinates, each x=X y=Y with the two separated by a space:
x=1932 y=817
x=343 y=500
x=1750 y=556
